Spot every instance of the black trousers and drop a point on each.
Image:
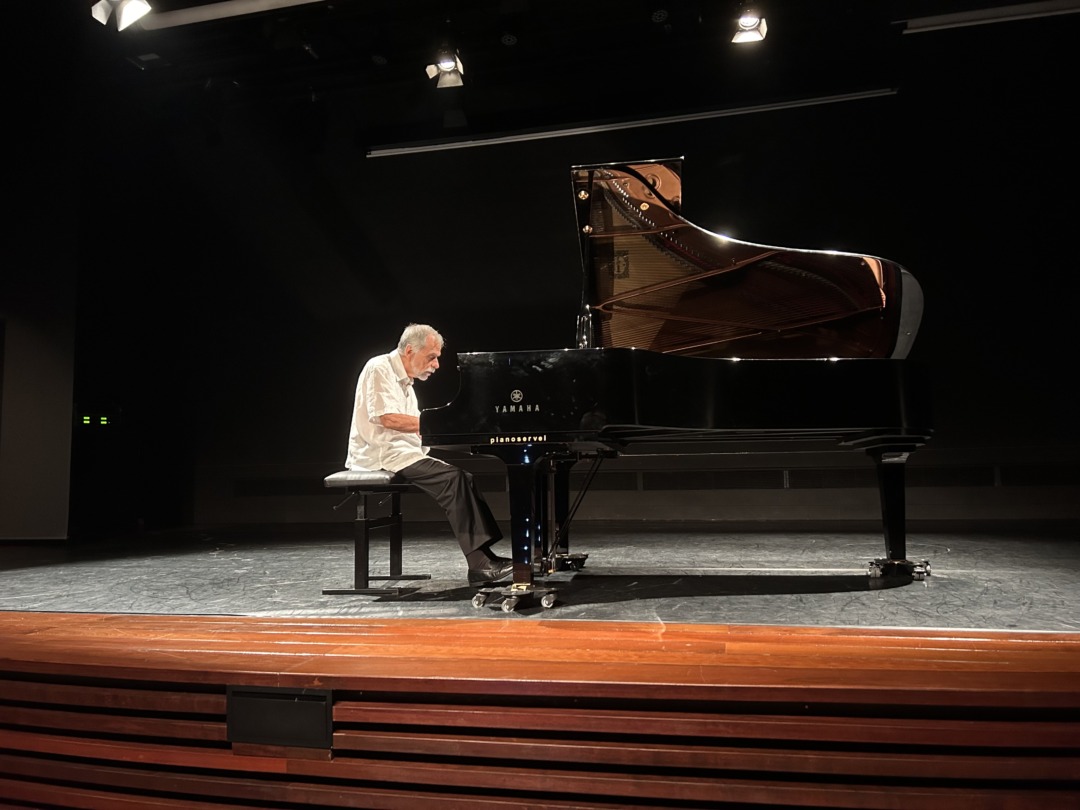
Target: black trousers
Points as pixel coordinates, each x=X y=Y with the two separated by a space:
x=454 y=490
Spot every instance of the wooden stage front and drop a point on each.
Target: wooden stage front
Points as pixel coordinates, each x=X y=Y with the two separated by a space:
x=121 y=711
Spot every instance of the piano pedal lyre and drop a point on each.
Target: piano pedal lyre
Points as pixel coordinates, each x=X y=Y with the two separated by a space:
x=565 y=562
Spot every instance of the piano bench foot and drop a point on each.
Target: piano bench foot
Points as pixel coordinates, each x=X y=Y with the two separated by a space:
x=918 y=571
x=391 y=590
x=510 y=597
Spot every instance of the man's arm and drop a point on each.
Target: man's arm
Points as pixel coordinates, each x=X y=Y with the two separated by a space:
x=383 y=393
x=400 y=421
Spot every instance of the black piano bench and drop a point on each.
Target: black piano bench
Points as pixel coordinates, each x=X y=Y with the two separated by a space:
x=381 y=486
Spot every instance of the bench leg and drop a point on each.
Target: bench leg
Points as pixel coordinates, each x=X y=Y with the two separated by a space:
x=395 y=535
x=362 y=528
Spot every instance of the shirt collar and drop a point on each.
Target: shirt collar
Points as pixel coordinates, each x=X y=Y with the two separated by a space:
x=399 y=369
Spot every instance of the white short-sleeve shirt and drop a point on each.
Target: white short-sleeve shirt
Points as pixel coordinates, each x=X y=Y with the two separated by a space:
x=383 y=387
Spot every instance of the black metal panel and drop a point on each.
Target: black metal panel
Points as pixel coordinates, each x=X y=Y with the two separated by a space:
x=280 y=716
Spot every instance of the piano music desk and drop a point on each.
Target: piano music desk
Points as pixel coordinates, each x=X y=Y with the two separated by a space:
x=380 y=486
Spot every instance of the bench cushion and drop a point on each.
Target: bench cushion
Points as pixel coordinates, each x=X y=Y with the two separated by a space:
x=365 y=479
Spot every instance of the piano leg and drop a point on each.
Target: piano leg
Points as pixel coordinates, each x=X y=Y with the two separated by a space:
x=891 y=466
x=526 y=511
x=524 y=475
x=539 y=487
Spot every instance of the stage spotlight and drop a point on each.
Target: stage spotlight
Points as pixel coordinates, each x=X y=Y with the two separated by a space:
x=127 y=11
x=751 y=27
x=447 y=67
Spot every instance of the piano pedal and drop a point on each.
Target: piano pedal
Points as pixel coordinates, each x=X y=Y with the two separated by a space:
x=512 y=595
x=918 y=571
x=566 y=562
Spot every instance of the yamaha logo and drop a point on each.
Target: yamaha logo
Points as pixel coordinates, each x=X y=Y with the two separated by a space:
x=517 y=404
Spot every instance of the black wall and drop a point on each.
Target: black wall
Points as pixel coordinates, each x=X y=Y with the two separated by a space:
x=250 y=261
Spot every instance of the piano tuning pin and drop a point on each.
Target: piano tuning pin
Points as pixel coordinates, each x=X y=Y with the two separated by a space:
x=583 y=195
x=587 y=229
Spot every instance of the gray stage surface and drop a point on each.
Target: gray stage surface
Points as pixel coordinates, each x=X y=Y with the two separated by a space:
x=666 y=574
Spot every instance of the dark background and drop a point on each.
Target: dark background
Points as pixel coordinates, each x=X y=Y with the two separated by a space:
x=240 y=254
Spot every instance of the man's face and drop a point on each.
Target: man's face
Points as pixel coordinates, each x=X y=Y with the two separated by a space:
x=420 y=365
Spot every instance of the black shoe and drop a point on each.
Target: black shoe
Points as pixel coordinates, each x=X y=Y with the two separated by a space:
x=490 y=571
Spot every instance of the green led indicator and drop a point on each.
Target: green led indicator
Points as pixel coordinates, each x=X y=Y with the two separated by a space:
x=86 y=420
x=104 y=420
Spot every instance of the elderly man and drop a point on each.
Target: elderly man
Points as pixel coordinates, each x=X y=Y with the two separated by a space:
x=385 y=435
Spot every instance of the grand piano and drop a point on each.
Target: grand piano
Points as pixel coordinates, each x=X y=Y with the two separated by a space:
x=690 y=339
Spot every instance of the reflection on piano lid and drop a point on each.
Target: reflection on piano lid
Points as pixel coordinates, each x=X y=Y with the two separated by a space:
x=655 y=281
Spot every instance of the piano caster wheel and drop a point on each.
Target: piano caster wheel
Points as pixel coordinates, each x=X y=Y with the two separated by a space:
x=899 y=568
x=509 y=598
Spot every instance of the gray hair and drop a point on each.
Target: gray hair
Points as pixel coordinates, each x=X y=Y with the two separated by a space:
x=416 y=335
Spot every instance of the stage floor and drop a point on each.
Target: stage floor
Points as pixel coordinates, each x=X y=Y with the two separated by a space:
x=666 y=574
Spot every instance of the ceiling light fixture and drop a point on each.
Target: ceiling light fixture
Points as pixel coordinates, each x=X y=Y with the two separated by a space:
x=127 y=11
x=751 y=26
x=447 y=67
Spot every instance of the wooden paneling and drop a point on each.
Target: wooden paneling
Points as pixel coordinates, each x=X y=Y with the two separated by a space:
x=124 y=711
